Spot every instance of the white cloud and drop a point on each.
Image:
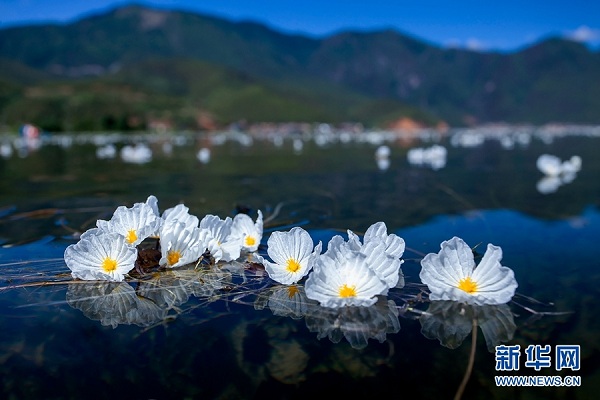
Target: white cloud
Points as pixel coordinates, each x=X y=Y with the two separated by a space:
x=475 y=44
x=584 y=34
x=472 y=44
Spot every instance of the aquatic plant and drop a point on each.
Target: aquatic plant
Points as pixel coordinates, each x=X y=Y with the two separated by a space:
x=292 y=255
x=451 y=275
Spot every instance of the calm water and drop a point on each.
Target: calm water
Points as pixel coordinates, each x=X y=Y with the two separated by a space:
x=230 y=334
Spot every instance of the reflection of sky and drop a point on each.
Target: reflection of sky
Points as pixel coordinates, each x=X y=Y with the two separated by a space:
x=551 y=259
x=573 y=238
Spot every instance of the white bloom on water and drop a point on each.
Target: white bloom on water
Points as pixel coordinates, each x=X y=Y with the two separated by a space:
x=139 y=153
x=344 y=278
x=451 y=275
x=135 y=224
x=353 y=273
x=292 y=255
x=384 y=252
x=394 y=245
x=180 y=245
x=100 y=255
x=221 y=244
x=107 y=151
x=434 y=156
x=180 y=213
x=152 y=201
x=203 y=155
x=572 y=165
x=551 y=165
x=556 y=172
x=249 y=231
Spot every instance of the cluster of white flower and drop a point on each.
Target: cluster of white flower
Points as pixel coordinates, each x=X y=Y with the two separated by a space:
x=348 y=273
x=109 y=251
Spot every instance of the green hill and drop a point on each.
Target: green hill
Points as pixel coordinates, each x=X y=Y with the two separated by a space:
x=133 y=65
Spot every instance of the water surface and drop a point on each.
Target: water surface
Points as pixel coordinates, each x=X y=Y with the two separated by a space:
x=235 y=334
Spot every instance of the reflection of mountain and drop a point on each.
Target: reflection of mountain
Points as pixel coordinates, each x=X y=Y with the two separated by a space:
x=160 y=55
x=451 y=322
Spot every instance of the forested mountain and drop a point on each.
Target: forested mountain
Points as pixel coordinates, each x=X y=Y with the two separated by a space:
x=124 y=68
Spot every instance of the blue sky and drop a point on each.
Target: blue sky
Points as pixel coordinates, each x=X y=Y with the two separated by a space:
x=486 y=25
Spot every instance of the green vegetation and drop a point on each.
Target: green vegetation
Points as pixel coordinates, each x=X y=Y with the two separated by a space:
x=180 y=94
x=134 y=67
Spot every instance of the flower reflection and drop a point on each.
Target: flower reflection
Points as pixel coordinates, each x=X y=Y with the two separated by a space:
x=204 y=283
x=451 y=322
x=114 y=303
x=355 y=323
x=165 y=290
x=285 y=301
x=118 y=303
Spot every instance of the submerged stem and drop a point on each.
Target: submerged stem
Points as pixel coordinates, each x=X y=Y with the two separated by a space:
x=463 y=384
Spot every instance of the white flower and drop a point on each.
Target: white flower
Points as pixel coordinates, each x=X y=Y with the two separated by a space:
x=394 y=245
x=344 y=280
x=135 y=224
x=292 y=254
x=383 y=252
x=180 y=213
x=549 y=164
x=572 y=165
x=203 y=155
x=140 y=153
x=100 y=255
x=434 y=156
x=249 y=231
x=152 y=201
x=221 y=244
x=180 y=245
x=451 y=275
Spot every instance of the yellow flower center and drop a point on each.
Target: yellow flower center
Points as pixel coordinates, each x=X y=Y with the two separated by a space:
x=468 y=285
x=173 y=256
x=347 y=291
x=109 y=264
x=292 y=265
x=250 y=241
x=131 y=236
x=292 y=291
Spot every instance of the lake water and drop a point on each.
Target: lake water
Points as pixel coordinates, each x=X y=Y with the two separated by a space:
x=233 y=333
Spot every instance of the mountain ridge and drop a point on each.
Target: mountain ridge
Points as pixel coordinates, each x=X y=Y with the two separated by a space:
x=555 y=80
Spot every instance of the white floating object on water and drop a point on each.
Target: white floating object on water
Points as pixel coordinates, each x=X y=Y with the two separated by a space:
x=298 y=145
x=549 y=165
x=137 y=154
x=556 y=172
x=382 y=151
x=6 y=150
x=108 y=151
x=434 y=156
x=572 y=165
x=203 y=155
